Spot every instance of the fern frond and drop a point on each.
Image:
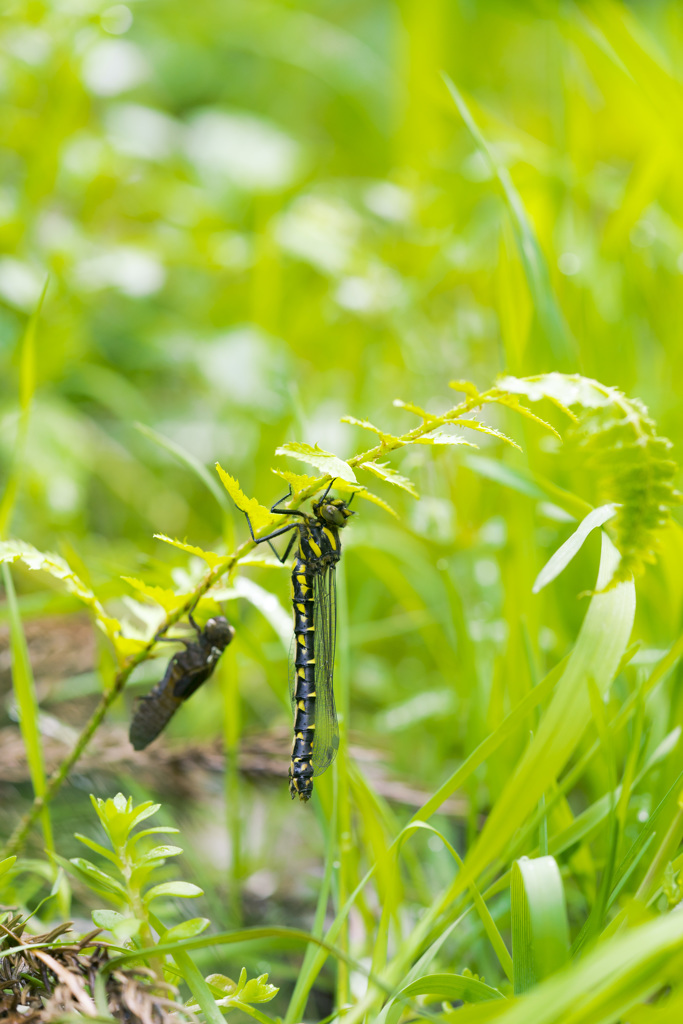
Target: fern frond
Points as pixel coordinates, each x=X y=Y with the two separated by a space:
x=629 y=464
x=367 y=425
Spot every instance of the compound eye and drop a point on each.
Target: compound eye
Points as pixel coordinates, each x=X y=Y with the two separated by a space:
x=333 y=515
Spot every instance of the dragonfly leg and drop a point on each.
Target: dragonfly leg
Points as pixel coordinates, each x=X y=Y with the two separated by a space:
x=285 y=511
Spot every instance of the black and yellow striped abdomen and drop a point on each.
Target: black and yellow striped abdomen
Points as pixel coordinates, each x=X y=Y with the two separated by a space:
x=319 y=551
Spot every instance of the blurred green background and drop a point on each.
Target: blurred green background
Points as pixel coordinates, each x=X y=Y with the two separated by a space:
x=259 y=217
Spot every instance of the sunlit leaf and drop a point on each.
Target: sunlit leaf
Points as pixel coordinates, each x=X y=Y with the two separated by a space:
x=386 y=473
x=168 y=600
x=17 y=550
x=327 y=463
x=210 y=557
x=440 y=438
x=571 y=547
x=366 y=425
x=258 y=514
x=298 y=481
x=466 y=387
x=540 y=930
x=180 y=889
x=485 y=429
x=345 y=488
x=411 y=407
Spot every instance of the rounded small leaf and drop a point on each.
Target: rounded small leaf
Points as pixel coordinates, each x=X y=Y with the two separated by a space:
x=186 y=929
x=186 y=889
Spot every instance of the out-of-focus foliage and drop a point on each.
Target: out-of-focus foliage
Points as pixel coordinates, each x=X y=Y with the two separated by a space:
x=257 y=217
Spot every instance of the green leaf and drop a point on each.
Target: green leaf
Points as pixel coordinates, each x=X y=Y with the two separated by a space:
x=210 y=557
x=17 y=550
x=466 y=387
x=186 y=929
x=449 y=987
x=390 y=476
x=27 y=385
x=92 y=876
x=485 y=429
x=326 y=462
x=6 y=864
x=536 y=270
x=184 y=889
x=441 y=438
x=366 y=425
x=538 y=913
x=157 y=830
x=187 y=459
x=298 y=481
x=571 y=547
x=565 y=389
x=96 y=847
x=167 y=599
x=342 y=487
x=259 y=515
x=108 y=919
x=626 y=462
x=27 y=702
x=602 y=641
x=415 y=409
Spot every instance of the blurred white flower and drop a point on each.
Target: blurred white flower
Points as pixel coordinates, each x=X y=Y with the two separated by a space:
x=244 y=150
x=323 y=232
x=20 y=283
x=141 y=131
x=114 y=66
x=133 y=271
x=389 y=201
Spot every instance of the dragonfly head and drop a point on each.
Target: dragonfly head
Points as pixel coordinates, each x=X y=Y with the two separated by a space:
x=333 y=511
x=219 y=631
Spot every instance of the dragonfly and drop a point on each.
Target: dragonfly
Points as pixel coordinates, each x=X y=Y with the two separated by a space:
x=186 y=672
x=311 y=663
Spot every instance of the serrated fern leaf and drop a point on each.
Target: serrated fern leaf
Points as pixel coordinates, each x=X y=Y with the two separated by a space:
x=316 y=456
x=367 y=425
x=411 y=407
x=17 y=550
x=210 y=557
x=258 y=514
x=362 y=492
x=297 y=481
x=485 y=429
x=168 y=600
x=628 y=462
x=391 y=477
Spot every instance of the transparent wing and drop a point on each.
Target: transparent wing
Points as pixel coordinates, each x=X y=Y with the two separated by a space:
x=326 y=741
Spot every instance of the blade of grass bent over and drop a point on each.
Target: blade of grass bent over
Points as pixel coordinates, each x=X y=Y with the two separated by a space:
x=602 y=641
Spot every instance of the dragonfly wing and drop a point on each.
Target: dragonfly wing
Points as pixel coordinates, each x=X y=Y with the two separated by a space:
x=326 y=742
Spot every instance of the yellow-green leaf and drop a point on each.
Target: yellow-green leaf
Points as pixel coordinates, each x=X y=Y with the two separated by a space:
x=128 y=647
x=210 y=557
x=259 y=515
x=298 y=481
x=485 y=429
x=168 y=600
x=513 y=402
x=444 y=439
x=17 y=550
x=411 y=407
x=367 y=495
x=390 y=475
x=316 y=456
x=466 y=387
x=367 y=425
